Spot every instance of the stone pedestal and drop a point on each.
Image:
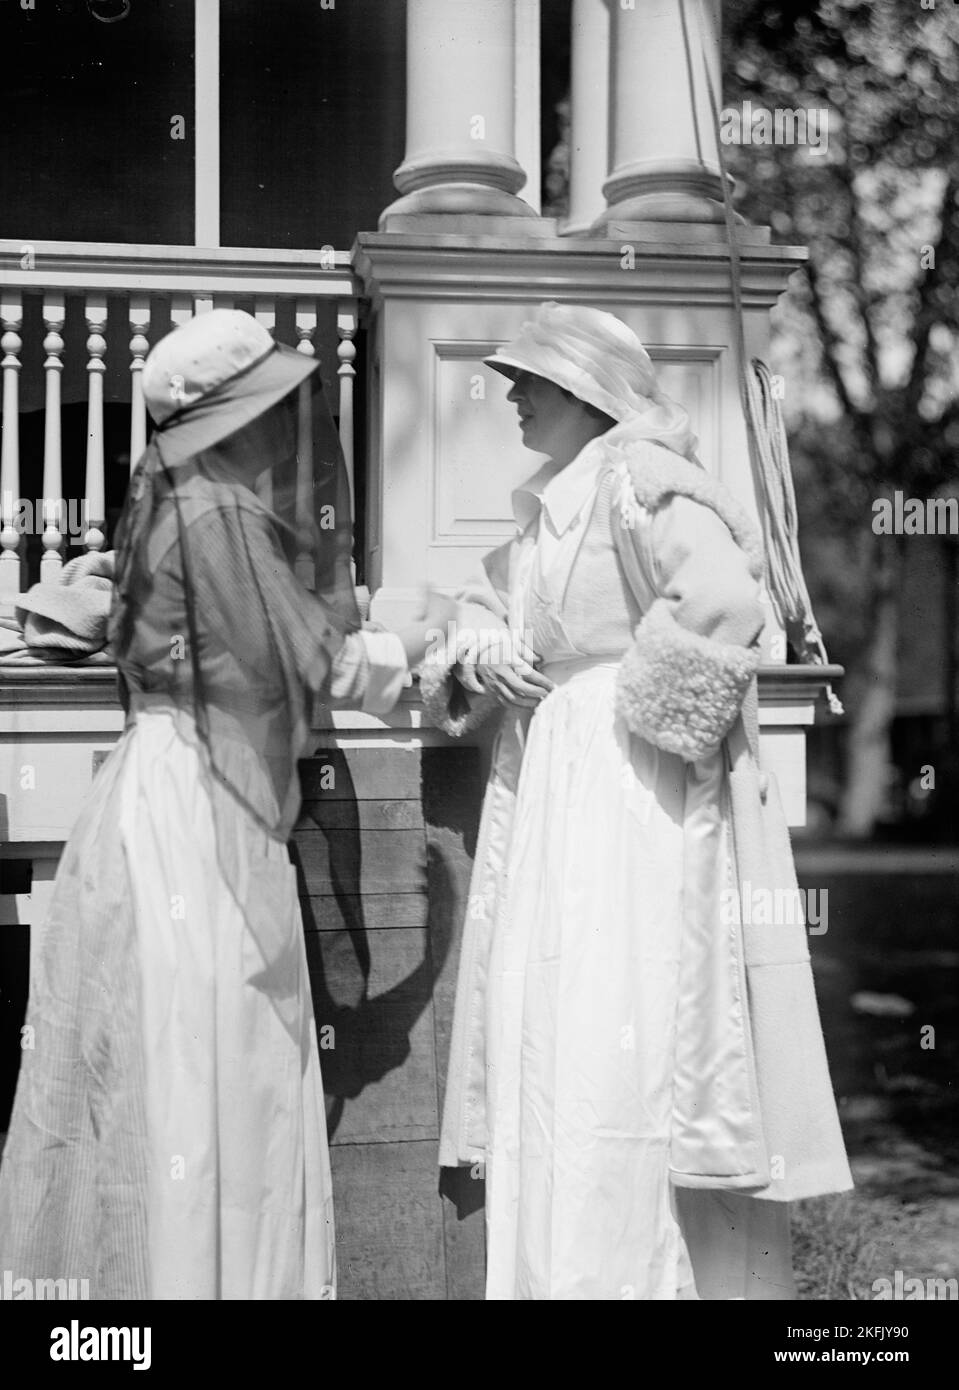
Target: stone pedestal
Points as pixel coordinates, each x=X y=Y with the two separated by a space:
x=445 y=451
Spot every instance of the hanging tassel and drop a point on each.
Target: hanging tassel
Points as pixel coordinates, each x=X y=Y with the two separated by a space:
x=626 y=499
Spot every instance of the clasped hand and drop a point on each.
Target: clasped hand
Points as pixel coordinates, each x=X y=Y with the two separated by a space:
x=513 y=682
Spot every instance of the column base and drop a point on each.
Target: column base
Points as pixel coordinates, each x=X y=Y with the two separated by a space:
x=661 y=207
x=679 y=190
x=434 y=206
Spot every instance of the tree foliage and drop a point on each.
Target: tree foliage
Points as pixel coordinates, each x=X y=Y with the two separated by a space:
x=873 y=322
x=878 y=208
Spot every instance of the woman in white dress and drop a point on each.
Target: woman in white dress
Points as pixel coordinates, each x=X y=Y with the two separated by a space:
x=168 y=1137
x=621 y=1057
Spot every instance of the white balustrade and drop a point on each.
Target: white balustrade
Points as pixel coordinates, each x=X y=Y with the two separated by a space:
x=154 y=282
x=11 y=320
x=54 y=505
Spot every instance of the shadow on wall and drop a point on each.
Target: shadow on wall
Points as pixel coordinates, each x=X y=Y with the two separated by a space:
x=373 y=844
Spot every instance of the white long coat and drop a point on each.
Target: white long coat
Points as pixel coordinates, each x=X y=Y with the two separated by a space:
x=687 y=685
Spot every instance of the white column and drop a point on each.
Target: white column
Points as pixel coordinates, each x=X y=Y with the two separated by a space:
x=54 y=512
x=11 y=320
x=206 y=128
x=526 y=96
x=460 y=112
x=665 y=165
x=589 y=114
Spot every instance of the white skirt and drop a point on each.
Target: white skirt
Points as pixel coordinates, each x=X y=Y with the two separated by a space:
x=581 y=1014
x=168 y=1138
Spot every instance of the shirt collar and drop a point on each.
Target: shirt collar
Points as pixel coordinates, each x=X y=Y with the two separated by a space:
x=562 y=493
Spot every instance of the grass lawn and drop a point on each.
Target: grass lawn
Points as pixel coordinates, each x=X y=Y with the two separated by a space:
x=889 y=933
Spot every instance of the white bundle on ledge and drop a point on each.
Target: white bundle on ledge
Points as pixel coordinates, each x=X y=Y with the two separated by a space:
x=63 y=623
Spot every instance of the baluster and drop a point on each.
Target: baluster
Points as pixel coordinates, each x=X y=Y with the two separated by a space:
x=181 y=309
x=181 y=312
x=11 y=320
x=305 y=328
x=96 y=317
x=55 y=511
x=346 y=355
x=139 y=347
x=265 y=313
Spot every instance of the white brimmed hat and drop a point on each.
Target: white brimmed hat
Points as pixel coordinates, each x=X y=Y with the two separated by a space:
x=213 y=375
x=71 y=615
x=600 y=360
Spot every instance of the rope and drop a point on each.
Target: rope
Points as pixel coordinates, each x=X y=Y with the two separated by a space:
x=769 y=455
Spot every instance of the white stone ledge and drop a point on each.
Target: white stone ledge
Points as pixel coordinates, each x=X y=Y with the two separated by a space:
x=63 y=721
x=672 y=271
x=121 y=267
x=41 y=695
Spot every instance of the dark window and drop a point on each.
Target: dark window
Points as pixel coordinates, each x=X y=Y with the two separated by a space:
x=312 y=119
x=90 y=112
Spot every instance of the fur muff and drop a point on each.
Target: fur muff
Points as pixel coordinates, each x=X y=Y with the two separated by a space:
x=445 y=702
x=680 y=691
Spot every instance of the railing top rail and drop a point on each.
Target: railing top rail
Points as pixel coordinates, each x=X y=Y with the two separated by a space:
x=119 y=267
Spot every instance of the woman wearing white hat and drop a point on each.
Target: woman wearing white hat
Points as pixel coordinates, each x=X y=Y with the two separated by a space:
x=643 y=1076
x=168 y=1137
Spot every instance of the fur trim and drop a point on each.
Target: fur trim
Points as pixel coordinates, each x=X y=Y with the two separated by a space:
x=447 y=704
x=651 y=474
x=678 y=690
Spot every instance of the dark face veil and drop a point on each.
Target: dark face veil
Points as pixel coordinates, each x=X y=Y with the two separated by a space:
x=234 y=587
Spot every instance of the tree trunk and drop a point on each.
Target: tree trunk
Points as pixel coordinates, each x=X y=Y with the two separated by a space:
x=872 y=702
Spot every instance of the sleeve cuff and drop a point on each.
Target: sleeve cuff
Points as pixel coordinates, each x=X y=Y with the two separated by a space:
x=678 y=690
x=387 y=673
x=446 y=701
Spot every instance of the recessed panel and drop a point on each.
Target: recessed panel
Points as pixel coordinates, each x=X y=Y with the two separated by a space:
x=479 y=457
